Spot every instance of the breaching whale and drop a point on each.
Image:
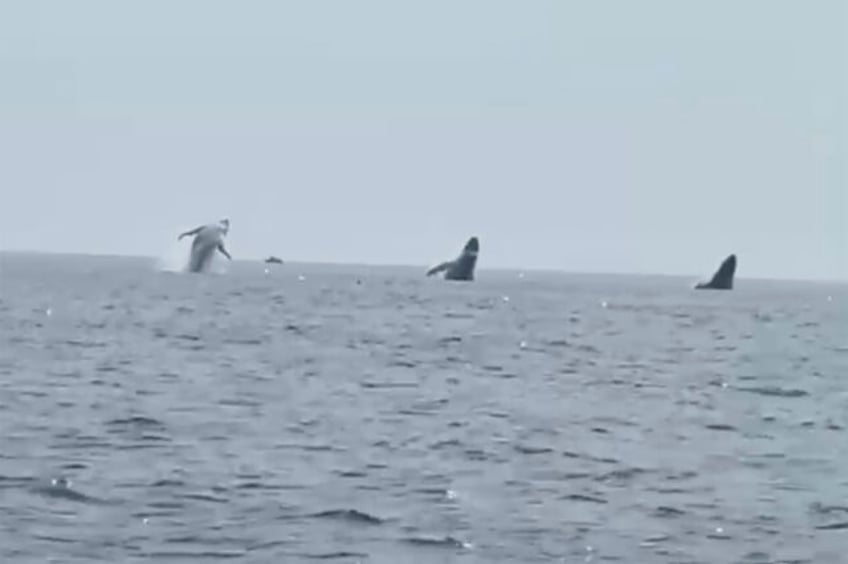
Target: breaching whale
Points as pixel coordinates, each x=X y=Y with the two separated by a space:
x=462 y=267
x=207 y=239
x=723 y=278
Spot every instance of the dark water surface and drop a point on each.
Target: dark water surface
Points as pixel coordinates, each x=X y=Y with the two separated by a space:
x=301 y=416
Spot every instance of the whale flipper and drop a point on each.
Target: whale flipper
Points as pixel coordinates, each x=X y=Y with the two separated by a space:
x=723 y=278
x=462 y=268
x=439 y=268
x=223 y=251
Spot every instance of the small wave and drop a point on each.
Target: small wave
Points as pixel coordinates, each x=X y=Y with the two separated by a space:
x=380 y=385
x=720 y=427
x=586 y=498
x=187 y=337
x=352 y=515
x=86 y=344
x=334 y=555
x=821 y=509
x=166 y=483
x=833 y=526
x=197 y=556
x=50 y=538
x=667 y=511
x=351 y=474
x=238 y=402
x=318 y=447
x=443 y=542
x=61 y=489
x=622 y=475
x=72 y=466
x=246 y=342
x=15 y=481
x=204 y=497
x=527 y=449
x=450 y=315
x=136 y=421
x=775 y=391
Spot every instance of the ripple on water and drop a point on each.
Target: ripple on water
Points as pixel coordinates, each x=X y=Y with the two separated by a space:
x=349 y=515
x=438 y=542
x=281 y=408
x=775 y=391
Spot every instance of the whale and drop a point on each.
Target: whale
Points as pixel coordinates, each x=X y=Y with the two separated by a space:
x=207 y=239
x=723 y=278
x=462 y=267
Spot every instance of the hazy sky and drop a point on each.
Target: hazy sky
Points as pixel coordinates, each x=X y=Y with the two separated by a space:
x=649 y=136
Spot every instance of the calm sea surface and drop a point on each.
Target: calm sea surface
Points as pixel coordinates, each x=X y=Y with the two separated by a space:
x=357 y=414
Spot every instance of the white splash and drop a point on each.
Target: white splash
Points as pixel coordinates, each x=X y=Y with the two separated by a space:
x=176 y=259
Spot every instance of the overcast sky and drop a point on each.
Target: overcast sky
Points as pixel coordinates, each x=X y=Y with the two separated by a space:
x=649 y=136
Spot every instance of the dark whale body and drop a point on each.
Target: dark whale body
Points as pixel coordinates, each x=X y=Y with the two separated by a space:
x=462 y=267
x=723 y=278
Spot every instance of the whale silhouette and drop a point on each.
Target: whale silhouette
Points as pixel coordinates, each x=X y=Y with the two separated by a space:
x=723 y=278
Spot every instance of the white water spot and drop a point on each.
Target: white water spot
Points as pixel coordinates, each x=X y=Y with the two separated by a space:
x=505 y=298
x=521 y=275
x=522 y=344
x=719 y=530
x=267 y=271
x=145 y=521
x=301 y=277
x=604 y=304
x=450 y=494
x=174 y=259
x=830 y=298
x=48 y=312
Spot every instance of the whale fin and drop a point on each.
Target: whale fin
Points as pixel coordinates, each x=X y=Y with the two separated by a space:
x=224 y=251
x=439 y=268
x=189 y=233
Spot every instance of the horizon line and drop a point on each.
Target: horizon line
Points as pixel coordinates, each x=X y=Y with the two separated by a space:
x=549 y=270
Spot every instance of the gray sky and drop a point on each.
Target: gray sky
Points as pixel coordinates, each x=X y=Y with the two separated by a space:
x=650 y=136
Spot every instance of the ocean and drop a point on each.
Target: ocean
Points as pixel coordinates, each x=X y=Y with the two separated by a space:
x=341 y=414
